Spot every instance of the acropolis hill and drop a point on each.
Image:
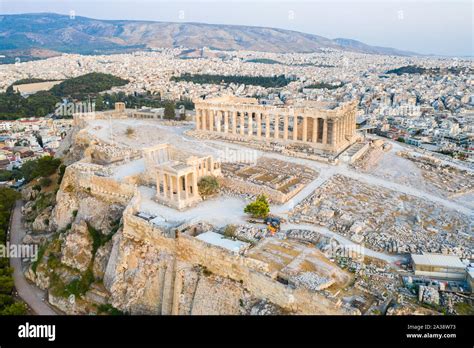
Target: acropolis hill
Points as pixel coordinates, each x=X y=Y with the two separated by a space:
x=132 y=183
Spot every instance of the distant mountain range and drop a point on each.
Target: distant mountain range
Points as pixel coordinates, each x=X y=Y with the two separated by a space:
x=46 y=34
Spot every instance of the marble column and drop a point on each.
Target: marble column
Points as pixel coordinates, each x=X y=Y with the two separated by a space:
x=315 y=130
x=198 y=115
x=195 y=186
x=259 y=124
x=325 y=131
x=218 y=115
x=211 y=120
x=203 y=119
x=267 y=126
x=234 y=122
x=250 y=123
x=285 y=127
x=305 y=129
x=242 y=123
x=295 y=128
x=178 y=188
x=170 y=186
x=226 y=121
x=186 y=186
x=276 y=126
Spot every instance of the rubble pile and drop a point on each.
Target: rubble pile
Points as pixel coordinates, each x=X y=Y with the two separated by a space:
x=311 y=281
x=250 y=233
x=428 y=294
x=384 y=219
x=448 y=180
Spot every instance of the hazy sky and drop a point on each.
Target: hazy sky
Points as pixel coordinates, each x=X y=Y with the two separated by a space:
x=443 y=27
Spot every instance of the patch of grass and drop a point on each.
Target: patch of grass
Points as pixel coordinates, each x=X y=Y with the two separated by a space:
x=99 y=239
x=41 y=252
x=229 y=231
x=464 y=308
x=206 y=272
x=109 y=310
x=79 y=287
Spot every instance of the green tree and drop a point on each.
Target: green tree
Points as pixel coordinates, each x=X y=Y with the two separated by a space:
x=6 y=175
x=43 y=166
x=17 y=308
x=260 y=208
x=208 y=186
x=170 y=113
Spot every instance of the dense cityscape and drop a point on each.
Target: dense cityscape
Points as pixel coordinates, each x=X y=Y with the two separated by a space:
x=203 y=181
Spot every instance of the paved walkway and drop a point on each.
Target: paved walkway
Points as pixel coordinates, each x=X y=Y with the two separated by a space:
x=31 y=294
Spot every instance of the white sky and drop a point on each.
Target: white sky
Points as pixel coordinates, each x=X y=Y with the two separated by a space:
x=443 y=27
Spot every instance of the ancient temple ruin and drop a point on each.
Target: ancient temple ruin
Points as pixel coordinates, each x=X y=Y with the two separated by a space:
x=327 y=127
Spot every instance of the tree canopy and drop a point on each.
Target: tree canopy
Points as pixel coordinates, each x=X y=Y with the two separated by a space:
x=260 y=208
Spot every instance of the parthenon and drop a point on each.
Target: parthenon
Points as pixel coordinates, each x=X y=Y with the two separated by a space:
x=330 y=128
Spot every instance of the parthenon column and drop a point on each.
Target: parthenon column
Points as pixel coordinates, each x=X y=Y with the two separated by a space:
x=276 y=126
x=267 y=126
x=198 y=115
x=242 y=123
x=226 y=121
x=211 y=120
x=259 y=124
x=315 y=130
x=218 y=115
x=325 y=131
x=295 y=128
x=305 y=128
x=203 y=119
x=285 y=127
x=234 y=122
x=250 y=123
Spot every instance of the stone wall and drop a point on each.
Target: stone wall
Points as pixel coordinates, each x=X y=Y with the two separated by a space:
x=152 y=272
x=241 y=186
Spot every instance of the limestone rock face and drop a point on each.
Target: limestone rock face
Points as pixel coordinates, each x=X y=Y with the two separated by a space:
x=66 y=204
x=265 y=308
x=101 y=259
x=215 y=295
x=137 y=282
x=144 y=279
x=98 y=213
x=41 y=222
x=77 y=247
x=28 y=194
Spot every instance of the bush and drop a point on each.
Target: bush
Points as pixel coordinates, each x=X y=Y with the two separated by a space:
x=208 y=186
x=170 y=113
x=62 y=169
x=6 y=175
x=229 y=231
x=79 y=287
x=44 y=166
x=109 y=309
x=45 y=182
x=17 y=308
x=129 y=131
x=259 y=208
